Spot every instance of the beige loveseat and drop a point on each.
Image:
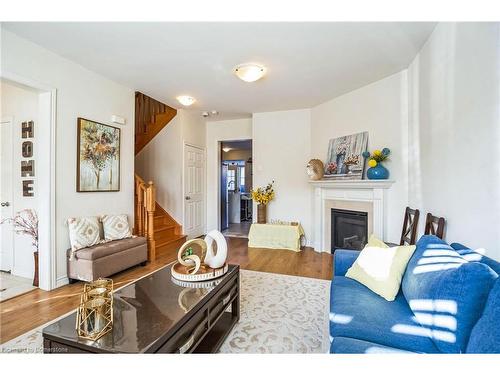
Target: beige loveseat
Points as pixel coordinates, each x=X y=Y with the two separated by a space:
x=106 y=259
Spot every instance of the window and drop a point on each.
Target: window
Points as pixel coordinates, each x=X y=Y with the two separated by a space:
x=242 y=179
x=231 y=179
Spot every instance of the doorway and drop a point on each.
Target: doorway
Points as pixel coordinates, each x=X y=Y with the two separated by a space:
x=17 y=200
x=6 y=166
x=236 y=206
x=194 y=195
x=27 y=182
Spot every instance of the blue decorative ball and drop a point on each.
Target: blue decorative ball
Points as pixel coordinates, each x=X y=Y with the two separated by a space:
x=386 y=151
x=366 y=154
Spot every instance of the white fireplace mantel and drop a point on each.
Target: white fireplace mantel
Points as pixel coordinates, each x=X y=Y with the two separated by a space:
x=372 y=191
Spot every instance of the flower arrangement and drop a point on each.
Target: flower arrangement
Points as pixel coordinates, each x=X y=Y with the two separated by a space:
x=352 y=159
x=342 y=148
x=331 y=167
x=263 y=195
x=377 y=156
x=25 y=222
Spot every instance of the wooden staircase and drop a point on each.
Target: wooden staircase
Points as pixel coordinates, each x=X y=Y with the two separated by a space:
x=167 y=232
x=163 y=233
x=151 y=116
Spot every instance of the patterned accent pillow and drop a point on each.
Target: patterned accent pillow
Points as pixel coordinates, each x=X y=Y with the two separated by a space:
x=115 y=227
x=83 y=232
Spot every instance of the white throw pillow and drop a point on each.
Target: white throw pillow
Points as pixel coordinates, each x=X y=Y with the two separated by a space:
x=374 y=241
x=83 y=232
x=381 y=269
x=115 y=227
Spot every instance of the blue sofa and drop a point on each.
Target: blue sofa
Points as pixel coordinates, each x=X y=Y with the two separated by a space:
x=449 y=302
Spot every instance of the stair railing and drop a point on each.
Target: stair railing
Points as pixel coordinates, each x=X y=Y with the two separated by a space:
x=145 y=203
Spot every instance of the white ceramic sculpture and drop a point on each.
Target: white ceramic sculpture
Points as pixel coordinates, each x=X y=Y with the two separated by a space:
x=219 y=259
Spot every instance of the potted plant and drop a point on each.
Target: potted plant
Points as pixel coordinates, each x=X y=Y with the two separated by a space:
x=377 y=171
x=263 y=196
x=25 y=222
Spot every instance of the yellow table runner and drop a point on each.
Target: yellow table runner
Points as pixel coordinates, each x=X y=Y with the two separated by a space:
x=275 y=236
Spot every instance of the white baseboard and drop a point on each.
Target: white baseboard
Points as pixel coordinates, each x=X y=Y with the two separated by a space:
x=60 y=281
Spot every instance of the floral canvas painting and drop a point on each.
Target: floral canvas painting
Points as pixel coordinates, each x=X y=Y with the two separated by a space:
x=345 y=159
x=98 y=167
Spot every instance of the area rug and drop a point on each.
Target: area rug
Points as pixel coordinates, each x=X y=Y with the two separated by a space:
x=279 y=314
x=13 y=286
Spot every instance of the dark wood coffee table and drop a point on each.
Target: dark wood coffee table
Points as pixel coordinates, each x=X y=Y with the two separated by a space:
x=158 y=314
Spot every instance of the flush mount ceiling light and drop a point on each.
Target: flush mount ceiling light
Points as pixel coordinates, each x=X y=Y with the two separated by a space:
x=186 y=100
x=250 y=72
x=226 y=149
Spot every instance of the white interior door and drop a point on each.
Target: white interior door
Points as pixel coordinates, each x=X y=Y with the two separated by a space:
x=6 y=174
x=194 y=198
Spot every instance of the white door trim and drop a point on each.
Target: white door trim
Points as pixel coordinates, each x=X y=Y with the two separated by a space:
x=47 y=176
x=204 y=184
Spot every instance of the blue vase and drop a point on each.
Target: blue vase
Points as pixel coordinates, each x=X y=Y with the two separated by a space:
x=379 y=172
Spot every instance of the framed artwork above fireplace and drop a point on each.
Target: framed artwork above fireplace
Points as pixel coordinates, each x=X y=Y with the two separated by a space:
x=345 y=159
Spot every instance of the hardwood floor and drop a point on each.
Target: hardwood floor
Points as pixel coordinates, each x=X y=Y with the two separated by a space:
x=23 y=313
x=307 y=263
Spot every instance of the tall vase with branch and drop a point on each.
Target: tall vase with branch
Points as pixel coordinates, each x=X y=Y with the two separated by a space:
x=263 y=195
x=25 y=223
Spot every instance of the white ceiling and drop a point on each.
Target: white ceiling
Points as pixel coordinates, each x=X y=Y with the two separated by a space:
x=308 y=63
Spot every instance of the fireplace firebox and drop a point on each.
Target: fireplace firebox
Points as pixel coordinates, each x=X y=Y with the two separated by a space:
x=349 y=229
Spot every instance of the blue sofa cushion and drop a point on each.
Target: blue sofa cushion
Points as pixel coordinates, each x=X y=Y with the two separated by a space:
x=446 y=293
x=343 y=259
x=356 y=312
x=485 y=336
x=473 y=256
x=347 y=345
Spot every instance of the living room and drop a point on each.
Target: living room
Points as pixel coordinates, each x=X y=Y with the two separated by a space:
x=250 y=187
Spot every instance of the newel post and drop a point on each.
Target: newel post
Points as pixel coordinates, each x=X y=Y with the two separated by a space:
x=139 y=208
x=150 y=208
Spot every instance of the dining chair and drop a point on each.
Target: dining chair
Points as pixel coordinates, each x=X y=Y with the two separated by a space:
x=434 y=225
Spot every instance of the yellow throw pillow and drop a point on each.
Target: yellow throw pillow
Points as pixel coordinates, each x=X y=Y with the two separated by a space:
x=375 y=242
x=381 y=269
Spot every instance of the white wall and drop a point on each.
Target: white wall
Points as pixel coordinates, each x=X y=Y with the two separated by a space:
x=381 y=109
x=80 y=93
x=281 y=150
x=21 y=104
x=216 y=131
x=161 y=161
x=455 y=132
x=193 y=127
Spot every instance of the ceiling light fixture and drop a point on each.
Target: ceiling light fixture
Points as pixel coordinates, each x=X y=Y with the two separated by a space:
x=186 y=100
x=250 y=72
x=226 y=149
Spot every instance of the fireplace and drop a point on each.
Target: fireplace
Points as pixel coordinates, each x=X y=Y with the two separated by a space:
x=349 y=229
